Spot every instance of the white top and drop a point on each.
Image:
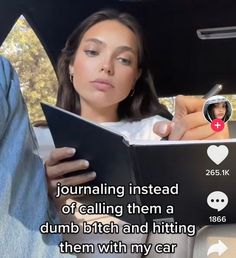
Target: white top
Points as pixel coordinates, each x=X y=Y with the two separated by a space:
x=139 y=130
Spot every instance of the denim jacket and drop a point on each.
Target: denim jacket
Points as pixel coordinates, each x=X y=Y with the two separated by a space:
x=23 y=191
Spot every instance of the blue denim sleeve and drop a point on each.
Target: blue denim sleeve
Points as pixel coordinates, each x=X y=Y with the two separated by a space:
x=23 y=192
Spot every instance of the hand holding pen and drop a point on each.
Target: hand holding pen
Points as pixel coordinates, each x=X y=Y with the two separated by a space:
x=189 y=122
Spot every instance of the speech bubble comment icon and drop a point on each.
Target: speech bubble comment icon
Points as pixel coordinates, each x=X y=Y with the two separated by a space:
x=217 y=200
x=217 y=153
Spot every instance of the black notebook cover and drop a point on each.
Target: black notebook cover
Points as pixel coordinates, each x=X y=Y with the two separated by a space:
x=118 y=162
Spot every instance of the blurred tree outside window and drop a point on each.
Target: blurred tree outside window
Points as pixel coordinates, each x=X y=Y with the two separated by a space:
x=37 y=76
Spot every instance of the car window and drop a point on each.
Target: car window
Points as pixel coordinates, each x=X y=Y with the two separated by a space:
x=38 y=79
x=37 y=76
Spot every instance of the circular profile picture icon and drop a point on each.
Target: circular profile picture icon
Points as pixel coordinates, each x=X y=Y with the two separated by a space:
x=217 y=107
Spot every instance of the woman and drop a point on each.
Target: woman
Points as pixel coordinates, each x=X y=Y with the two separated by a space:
x=104 y=77
x=217 y=107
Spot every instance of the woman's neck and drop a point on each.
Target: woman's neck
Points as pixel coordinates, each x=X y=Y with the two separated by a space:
x=99 y=115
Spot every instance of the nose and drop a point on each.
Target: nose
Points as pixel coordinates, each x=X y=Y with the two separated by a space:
x=221 y=109
x=107 y=67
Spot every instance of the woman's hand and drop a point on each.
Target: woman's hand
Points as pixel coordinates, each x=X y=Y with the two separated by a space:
x=57 y=169
x=189 y=122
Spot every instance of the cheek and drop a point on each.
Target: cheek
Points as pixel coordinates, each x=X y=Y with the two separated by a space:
x=81 y=68
x=127 y=79
x=83 y=73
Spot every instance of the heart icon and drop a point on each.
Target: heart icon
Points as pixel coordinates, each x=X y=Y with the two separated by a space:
x=217 y=154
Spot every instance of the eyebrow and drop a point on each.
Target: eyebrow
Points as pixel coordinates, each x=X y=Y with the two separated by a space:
x=119 y=49
x=95 y=41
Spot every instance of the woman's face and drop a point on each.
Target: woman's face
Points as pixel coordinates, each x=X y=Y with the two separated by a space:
x=219 y=110
x=105 y=67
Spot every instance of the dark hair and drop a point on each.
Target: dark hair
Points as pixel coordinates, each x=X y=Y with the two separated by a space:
x=210 y=112
x=144 y=101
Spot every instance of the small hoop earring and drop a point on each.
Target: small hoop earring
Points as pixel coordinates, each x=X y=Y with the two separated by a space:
x=132 y=93
x=71 y=78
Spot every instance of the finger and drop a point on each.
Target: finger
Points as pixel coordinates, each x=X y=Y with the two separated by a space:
x=199 y=133
x=60 y=154
x=186 y=105
x=205 y=132
x=64 y=168
x=162 y=128
x=79 y=179
x=70 y=181
x=186 y=123
x=224 y=134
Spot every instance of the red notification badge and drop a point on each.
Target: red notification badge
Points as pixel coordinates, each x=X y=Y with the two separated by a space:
x=217 y=125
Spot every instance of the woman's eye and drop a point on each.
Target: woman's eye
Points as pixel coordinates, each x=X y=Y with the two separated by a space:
x=91 y=52
x=124 y=61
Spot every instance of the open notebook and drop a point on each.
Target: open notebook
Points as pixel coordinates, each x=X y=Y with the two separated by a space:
x=192 y=170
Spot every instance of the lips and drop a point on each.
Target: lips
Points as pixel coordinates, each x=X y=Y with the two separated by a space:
x=102 y=85
x=220 y=116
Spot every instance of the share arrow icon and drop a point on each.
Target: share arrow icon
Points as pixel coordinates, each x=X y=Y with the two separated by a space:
x=219 y=248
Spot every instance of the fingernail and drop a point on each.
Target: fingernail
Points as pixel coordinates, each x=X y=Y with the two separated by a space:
x=163 y=128
x=71 y=151
x=86 y=163
x=93 y=174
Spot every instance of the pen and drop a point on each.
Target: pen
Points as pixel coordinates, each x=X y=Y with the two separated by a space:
x=213 y=91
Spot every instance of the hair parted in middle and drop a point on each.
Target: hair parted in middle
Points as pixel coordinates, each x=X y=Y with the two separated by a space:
x=143 y=102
